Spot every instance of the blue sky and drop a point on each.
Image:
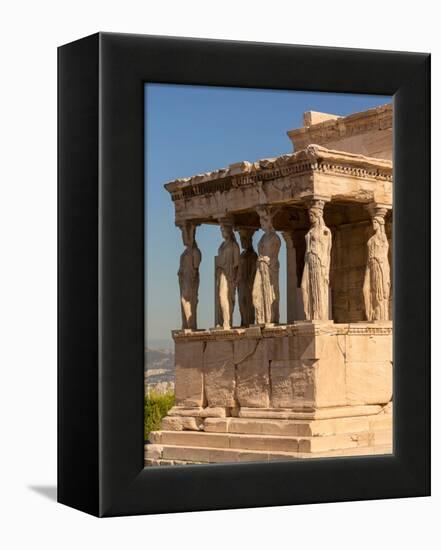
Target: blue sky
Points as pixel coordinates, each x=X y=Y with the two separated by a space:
x=194 y=129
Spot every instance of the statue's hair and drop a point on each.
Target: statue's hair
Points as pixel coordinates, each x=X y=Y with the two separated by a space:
x=381 y=222
x=189 y=228
x=318 y=210
x=264 y=212
x=245 y=233
x=228 y=222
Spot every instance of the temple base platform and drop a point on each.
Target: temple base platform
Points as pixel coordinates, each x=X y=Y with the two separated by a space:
x=299 y=391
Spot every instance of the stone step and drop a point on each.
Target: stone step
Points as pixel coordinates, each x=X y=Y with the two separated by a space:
x=268 y=443
x=308 y=428
x=317 y=414
x=276 y=413
x=167 y=455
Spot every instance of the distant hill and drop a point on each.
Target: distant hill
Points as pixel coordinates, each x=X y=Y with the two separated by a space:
x=159 y=369
x=160 y=343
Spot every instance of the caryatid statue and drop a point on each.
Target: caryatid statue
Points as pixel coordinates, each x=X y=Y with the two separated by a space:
x=266 y=282
x=245 y=277
x=188 y=276
x=376 y=287
x=227 y=265
x=315 y=279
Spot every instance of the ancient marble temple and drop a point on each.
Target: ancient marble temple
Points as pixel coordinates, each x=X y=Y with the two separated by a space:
x=316 y=379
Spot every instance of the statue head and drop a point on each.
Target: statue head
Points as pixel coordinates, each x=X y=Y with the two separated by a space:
x=378 y=213
x=226 y=227
x=378 y=226
x=266 y=219
x=246 y=238
x=188 y=231
x=377 y=223
x=315 y=212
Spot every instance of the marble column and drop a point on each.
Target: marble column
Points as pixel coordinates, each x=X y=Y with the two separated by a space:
x=246 y=275
x=188 y=276
x=227 y=265
x=315 y=279
x=291 y=278
x=266 y=295
x=376 y=287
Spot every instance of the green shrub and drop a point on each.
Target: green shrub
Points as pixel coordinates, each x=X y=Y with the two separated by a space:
x=156 y=406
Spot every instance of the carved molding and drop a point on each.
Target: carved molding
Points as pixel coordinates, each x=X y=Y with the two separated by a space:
x=379 y=118
x=311 y=159
x=378 y=209
x=295 y=329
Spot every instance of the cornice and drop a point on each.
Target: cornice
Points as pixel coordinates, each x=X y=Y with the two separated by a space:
x=299 y=328
x=378 y=118
x=313 y=158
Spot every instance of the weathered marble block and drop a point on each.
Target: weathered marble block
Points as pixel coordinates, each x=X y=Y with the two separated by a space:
x=367 y=347
x=219 y=373
x=292 y=384
x=330 y=369
x=189 y=388
x=252 y=371
x=305 y=389
x=308 y=368
x=369 y=382
x=369 y=366
x=303 y=366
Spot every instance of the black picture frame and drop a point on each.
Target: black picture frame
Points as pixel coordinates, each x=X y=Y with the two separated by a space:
x=101 y=274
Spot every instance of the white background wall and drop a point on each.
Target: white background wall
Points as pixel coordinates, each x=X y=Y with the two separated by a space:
x=30 y=34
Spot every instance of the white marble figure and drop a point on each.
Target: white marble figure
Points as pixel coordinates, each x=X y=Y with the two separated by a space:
x=266 y=282
x=245 y=277
x=315 y=279
x=188 y=276
x=376 y=287
x=227 y=264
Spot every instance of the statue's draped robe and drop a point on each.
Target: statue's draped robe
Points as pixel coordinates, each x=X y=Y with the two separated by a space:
x=266 y=282
x=246 y=275
x=227 y=263
x=315 y=280
x=376 y=288
x=188 y=276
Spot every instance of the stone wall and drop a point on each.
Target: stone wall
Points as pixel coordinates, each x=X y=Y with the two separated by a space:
x=368 y=133
x=301 y=367
x=348 y=266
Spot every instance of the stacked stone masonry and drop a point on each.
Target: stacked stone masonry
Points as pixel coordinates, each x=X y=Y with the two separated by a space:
x=319 y=384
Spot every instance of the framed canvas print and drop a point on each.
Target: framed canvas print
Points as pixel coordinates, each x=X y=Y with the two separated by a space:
x=244 y=311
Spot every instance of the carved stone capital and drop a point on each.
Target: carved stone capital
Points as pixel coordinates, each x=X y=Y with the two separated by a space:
x=188 y=230
x=183 y=224
x=246 y=232
x=266 y=210
x=316 y=201
x=377 y=209
x=226 y=221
